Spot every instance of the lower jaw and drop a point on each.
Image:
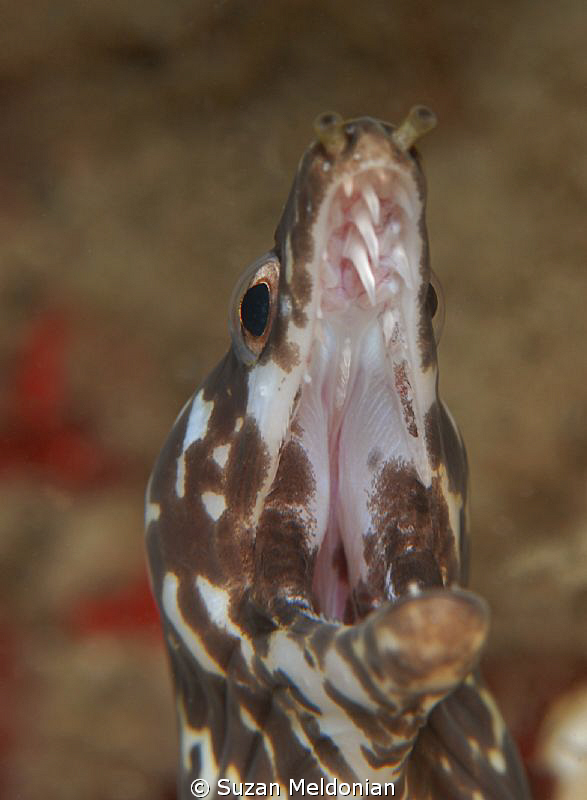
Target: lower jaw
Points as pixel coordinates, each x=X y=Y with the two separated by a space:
x=410 y=549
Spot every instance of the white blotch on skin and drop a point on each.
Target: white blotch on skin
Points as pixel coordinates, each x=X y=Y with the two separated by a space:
x=388 y=583
x=287 y=657
x=346 y=682
x=180 y=476
x=188 y=636
x=190 y=738
x=197 y=426
x=445 y=764
x=220 y=454
x=497 y=760
x=289 y=260
x=238 y=424
x=152 y=512
x=217 y=603
x=215 y=504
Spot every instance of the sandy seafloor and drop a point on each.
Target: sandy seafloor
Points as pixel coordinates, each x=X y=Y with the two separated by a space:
x=146 y=150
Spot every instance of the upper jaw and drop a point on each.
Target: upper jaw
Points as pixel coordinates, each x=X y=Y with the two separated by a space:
x=367 y=227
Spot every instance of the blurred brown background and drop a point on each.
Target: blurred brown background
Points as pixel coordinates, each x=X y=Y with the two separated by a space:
x=146 y=149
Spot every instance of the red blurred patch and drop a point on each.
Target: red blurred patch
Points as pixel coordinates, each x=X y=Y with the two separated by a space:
x=128 y=610
x=9 y=694
x=528 y=686
x=37 y=434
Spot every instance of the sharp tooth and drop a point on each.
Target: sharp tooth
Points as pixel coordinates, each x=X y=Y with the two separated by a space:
x=347 y=184
x=403 y=200
x=401 y=265
x=363 y=222
x=355 y=251
x=388 y=326
x=372 y=201
x=390 y=235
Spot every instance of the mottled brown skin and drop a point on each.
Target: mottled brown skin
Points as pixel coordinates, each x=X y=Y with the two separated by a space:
x=257 y=691
x=221 y=550
x=410 y=535
x=283 y=554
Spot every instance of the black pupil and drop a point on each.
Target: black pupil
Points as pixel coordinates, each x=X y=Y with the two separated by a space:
x=255 y=309
x=431 y=301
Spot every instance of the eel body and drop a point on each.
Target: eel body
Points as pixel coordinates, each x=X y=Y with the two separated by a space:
x=306 y=518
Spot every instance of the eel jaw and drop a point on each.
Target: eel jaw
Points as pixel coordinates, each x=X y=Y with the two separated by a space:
x=365 y=393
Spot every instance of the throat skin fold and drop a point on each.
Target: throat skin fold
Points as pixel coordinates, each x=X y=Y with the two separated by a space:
x=307 y=516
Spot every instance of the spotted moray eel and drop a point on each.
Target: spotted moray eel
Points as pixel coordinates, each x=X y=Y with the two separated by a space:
x=306 y=518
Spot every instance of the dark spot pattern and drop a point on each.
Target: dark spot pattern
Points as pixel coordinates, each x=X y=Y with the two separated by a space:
x=411 y=537
x=246 y=469
x=403 y=389
x=283 y=554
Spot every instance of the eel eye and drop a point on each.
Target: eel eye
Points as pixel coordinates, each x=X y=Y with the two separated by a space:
x=253 y=308
x=431 y=301
x=435 y=306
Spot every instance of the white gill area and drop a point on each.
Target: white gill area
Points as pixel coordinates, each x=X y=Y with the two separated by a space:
x=350 y=421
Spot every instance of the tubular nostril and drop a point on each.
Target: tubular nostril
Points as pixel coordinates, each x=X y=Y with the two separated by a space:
x=419 y=121
x=328 y=128
x=328 y=119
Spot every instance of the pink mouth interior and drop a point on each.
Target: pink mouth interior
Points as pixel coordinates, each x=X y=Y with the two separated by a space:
x=350 y=409
x=365 y=254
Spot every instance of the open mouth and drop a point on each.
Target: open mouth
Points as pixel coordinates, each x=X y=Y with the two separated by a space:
x=361 y=411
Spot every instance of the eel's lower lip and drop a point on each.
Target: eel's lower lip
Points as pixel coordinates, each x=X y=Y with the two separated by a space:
x=406 y=549
x=413 y=571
